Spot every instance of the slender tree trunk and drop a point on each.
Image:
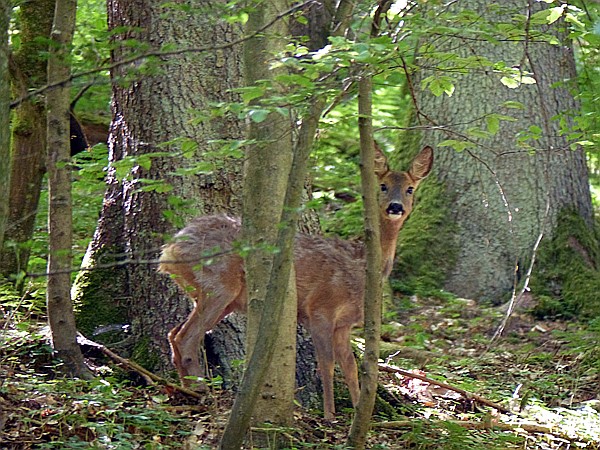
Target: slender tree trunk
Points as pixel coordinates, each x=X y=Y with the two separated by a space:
x=28 y=135
x=5 y=9
x=373 y=286
x=266 y=176
x=508 y=189
x=60 y=307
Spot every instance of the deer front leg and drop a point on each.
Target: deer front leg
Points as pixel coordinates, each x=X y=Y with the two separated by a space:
x=345 y=358
x=185 y=340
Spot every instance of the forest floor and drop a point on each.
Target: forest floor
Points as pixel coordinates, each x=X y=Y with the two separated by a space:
x=546 y=373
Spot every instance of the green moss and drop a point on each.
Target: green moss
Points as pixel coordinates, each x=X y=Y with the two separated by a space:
x=566 y=279
x=144 y=355
x=426 y=245
x=99 y=301
x=426 y=248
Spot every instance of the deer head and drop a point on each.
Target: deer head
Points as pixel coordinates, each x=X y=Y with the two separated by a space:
x=396 y=198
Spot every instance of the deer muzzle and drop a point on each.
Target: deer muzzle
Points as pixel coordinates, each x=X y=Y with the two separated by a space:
x=395 y=209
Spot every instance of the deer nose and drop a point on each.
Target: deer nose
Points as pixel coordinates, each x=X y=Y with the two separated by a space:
x=395 y=209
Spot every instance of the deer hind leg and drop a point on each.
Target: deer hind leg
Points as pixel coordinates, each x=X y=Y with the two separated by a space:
x=345 y=358
x=322 y=336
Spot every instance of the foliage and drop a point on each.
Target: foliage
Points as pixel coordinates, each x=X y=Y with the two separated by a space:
x=91 y=52
x=555 y=367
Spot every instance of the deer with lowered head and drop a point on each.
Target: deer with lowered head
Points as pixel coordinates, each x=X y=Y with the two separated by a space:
x=330 y=279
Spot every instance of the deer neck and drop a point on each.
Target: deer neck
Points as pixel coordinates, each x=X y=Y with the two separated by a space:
x=389 y=230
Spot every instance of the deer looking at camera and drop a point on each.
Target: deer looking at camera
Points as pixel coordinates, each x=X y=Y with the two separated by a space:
x=330 y=279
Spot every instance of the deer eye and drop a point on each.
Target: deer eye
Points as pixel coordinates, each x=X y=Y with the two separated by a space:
x=410 y=190
x=383 y=188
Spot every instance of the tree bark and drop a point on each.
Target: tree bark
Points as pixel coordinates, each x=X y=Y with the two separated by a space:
x=5 y=10
x=373 y=284
x=60 y=308
x=28 y=135
x=506 y=190
x=266 y=174
x=159 y=106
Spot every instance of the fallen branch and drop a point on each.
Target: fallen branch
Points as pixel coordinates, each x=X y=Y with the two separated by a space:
x=469 y=395
x=150 y=377
x=486 y=425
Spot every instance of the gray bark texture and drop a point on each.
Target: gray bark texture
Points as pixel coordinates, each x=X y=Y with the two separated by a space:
x=158 y=106
x=503 y=195
x=5 y=9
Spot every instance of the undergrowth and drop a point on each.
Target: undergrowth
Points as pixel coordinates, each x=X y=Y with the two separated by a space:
x=546 y=372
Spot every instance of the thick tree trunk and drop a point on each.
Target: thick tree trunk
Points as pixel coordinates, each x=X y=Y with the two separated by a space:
x=29 y=135
x=156 y=108
x=5 y=9
x=505 y=191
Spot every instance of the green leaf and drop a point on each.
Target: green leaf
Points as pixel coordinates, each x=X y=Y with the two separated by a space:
x=202 y=167
x=555 y=13
x=527 y=80
x=478 y=133
x=493 y=124
x=540 y=16
x=258 y=115
x=459 y=146
x=439 y=85
x=188 y=148
x=535 y=131
x=513 y=104
x=509 y=82
x=252 y=92
x=145 y=161
x=302 y=20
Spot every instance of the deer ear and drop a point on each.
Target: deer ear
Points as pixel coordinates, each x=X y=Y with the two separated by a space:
x=421 y=165
x=381 y=164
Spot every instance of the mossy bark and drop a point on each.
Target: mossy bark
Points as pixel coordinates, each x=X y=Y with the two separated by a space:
x=28 y=134
x=5 y=9
x=503 y=193
x=566 y=281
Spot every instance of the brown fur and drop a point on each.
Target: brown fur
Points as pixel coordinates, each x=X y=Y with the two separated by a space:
x=330 y=279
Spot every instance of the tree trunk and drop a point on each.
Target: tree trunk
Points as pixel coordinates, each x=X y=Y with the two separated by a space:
x=29 y=135
x=60 y=308
x=266 y=174
x=157 y=107
x=373 y=284
x=505 y=190
x=5 y=9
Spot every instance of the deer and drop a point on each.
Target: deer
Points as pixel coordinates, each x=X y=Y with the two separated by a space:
x=330 y=279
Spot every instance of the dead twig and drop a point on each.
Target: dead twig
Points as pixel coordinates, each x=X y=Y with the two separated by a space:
x=469 y=395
